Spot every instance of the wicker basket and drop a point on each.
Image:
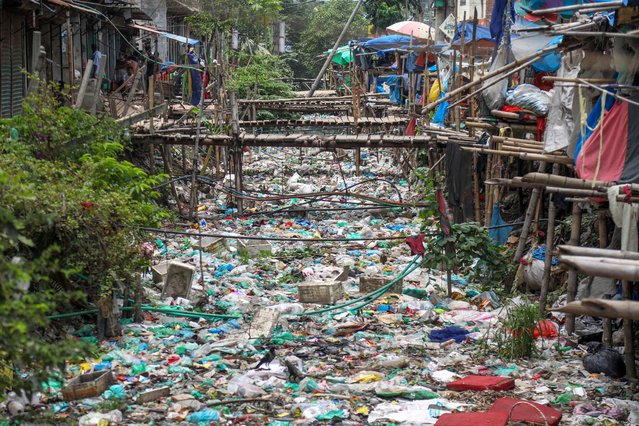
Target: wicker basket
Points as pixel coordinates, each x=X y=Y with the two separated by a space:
x=368 y=284
x=88 y=385
x=320 y=292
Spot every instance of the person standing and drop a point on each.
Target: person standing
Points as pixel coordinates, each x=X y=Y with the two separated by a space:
x=194 y=72
x=97 y=57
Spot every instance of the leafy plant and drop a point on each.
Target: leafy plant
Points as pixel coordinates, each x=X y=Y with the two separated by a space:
x=264 y=69
x=516 y=336
x=468 y=250
x=69 y=208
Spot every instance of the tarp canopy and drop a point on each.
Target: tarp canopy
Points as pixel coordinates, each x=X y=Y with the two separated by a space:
x=393 y=42
x=525 y=46
x=343 y=55
x=482 y=35
x=181 y=39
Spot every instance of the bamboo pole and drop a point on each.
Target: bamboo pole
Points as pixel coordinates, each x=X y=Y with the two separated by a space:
x=84 y=83
x=571 y=250
x=70 y=54
x=492 y=83
x=626 y=289
x=550 y=240
x=558 y=9
x=575 y=232
x=562 y=181
x=522 y=155
x=618 y=269
x=495 y=73
x=532 y=206
x=602 y=308
x=328 y=60
x=576 y=80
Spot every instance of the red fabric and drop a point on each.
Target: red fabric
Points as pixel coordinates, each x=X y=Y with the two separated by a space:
x=614 y=146
x=541 y=127
x=421 y=60
x=628 y=192
x=416 y=244
x=480 y=383
x=546 y=328
x=410 y=129
x=525 y=413
x=466 y=419
x=543 y=85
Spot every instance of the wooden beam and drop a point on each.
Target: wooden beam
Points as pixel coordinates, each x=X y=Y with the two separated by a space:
x=134 y=118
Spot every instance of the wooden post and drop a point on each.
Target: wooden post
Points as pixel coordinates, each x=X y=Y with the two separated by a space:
x=84 y=83
x=532 y=206
x=36 y=43
x=151 y=127
x=98 y=83
x=237 y=151
x=603 y=243
x=134 y=87
x=550 y=236
x=357 y=161
x=70 y=54
x=476 y=189
x=575 y=233
x=628 y=335
x=471 y=71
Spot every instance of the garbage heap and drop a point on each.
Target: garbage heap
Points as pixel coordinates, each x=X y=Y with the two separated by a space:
x=240 y=331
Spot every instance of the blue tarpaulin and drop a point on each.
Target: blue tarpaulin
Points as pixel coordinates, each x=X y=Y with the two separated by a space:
x=497 y=18
x=397 y=42
x=482 y=33
x=181 y=39
x=499 y=235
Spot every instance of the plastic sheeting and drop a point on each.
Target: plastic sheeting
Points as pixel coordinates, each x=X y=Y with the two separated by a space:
x=495 y=94
x=560 y=122
x=529 y=97
x=499 y=235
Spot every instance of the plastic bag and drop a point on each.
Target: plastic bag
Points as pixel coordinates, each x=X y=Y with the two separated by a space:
x=605 y=360
x=529 y=97
x=495 y=93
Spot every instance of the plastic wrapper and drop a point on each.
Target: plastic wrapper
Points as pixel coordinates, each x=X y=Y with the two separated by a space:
x=530 y=98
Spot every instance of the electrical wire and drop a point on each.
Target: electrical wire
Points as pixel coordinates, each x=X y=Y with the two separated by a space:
x=252 y=237
x=369 y=297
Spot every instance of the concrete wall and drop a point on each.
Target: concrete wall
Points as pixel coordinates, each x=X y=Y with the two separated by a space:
x=156 y=9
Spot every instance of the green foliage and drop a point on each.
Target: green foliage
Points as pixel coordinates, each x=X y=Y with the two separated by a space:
x=383 y=13
x=23 y=308
x=516 y=336
x=265 y=69
x=322 y=27
x=468 y=250
x=250 y=17
x=67 y=207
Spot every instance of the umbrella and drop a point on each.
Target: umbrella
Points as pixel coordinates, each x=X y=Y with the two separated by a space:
x=415 y=29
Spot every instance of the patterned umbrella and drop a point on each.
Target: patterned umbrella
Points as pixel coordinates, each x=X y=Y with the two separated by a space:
x=415 y=29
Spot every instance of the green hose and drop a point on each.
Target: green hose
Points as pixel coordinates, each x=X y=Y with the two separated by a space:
x=368 y=298
x=376 y=294
x=166 y=311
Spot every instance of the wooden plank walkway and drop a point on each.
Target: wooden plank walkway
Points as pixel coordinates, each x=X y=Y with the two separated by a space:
x=332 y=121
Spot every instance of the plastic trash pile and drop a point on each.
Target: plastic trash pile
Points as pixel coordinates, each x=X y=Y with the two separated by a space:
x=415 y=357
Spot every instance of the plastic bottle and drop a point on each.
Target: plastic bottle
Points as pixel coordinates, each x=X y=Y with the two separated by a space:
x=203 y=416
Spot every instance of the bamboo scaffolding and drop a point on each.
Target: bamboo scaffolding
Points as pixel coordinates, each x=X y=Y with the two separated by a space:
x=602 y=308
x=496 y=73
x=562 y=181
x=530 y=210
x=550 y=242
x=619 y=269
x=522 y=155
x=571 y=7
x=571 y=293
